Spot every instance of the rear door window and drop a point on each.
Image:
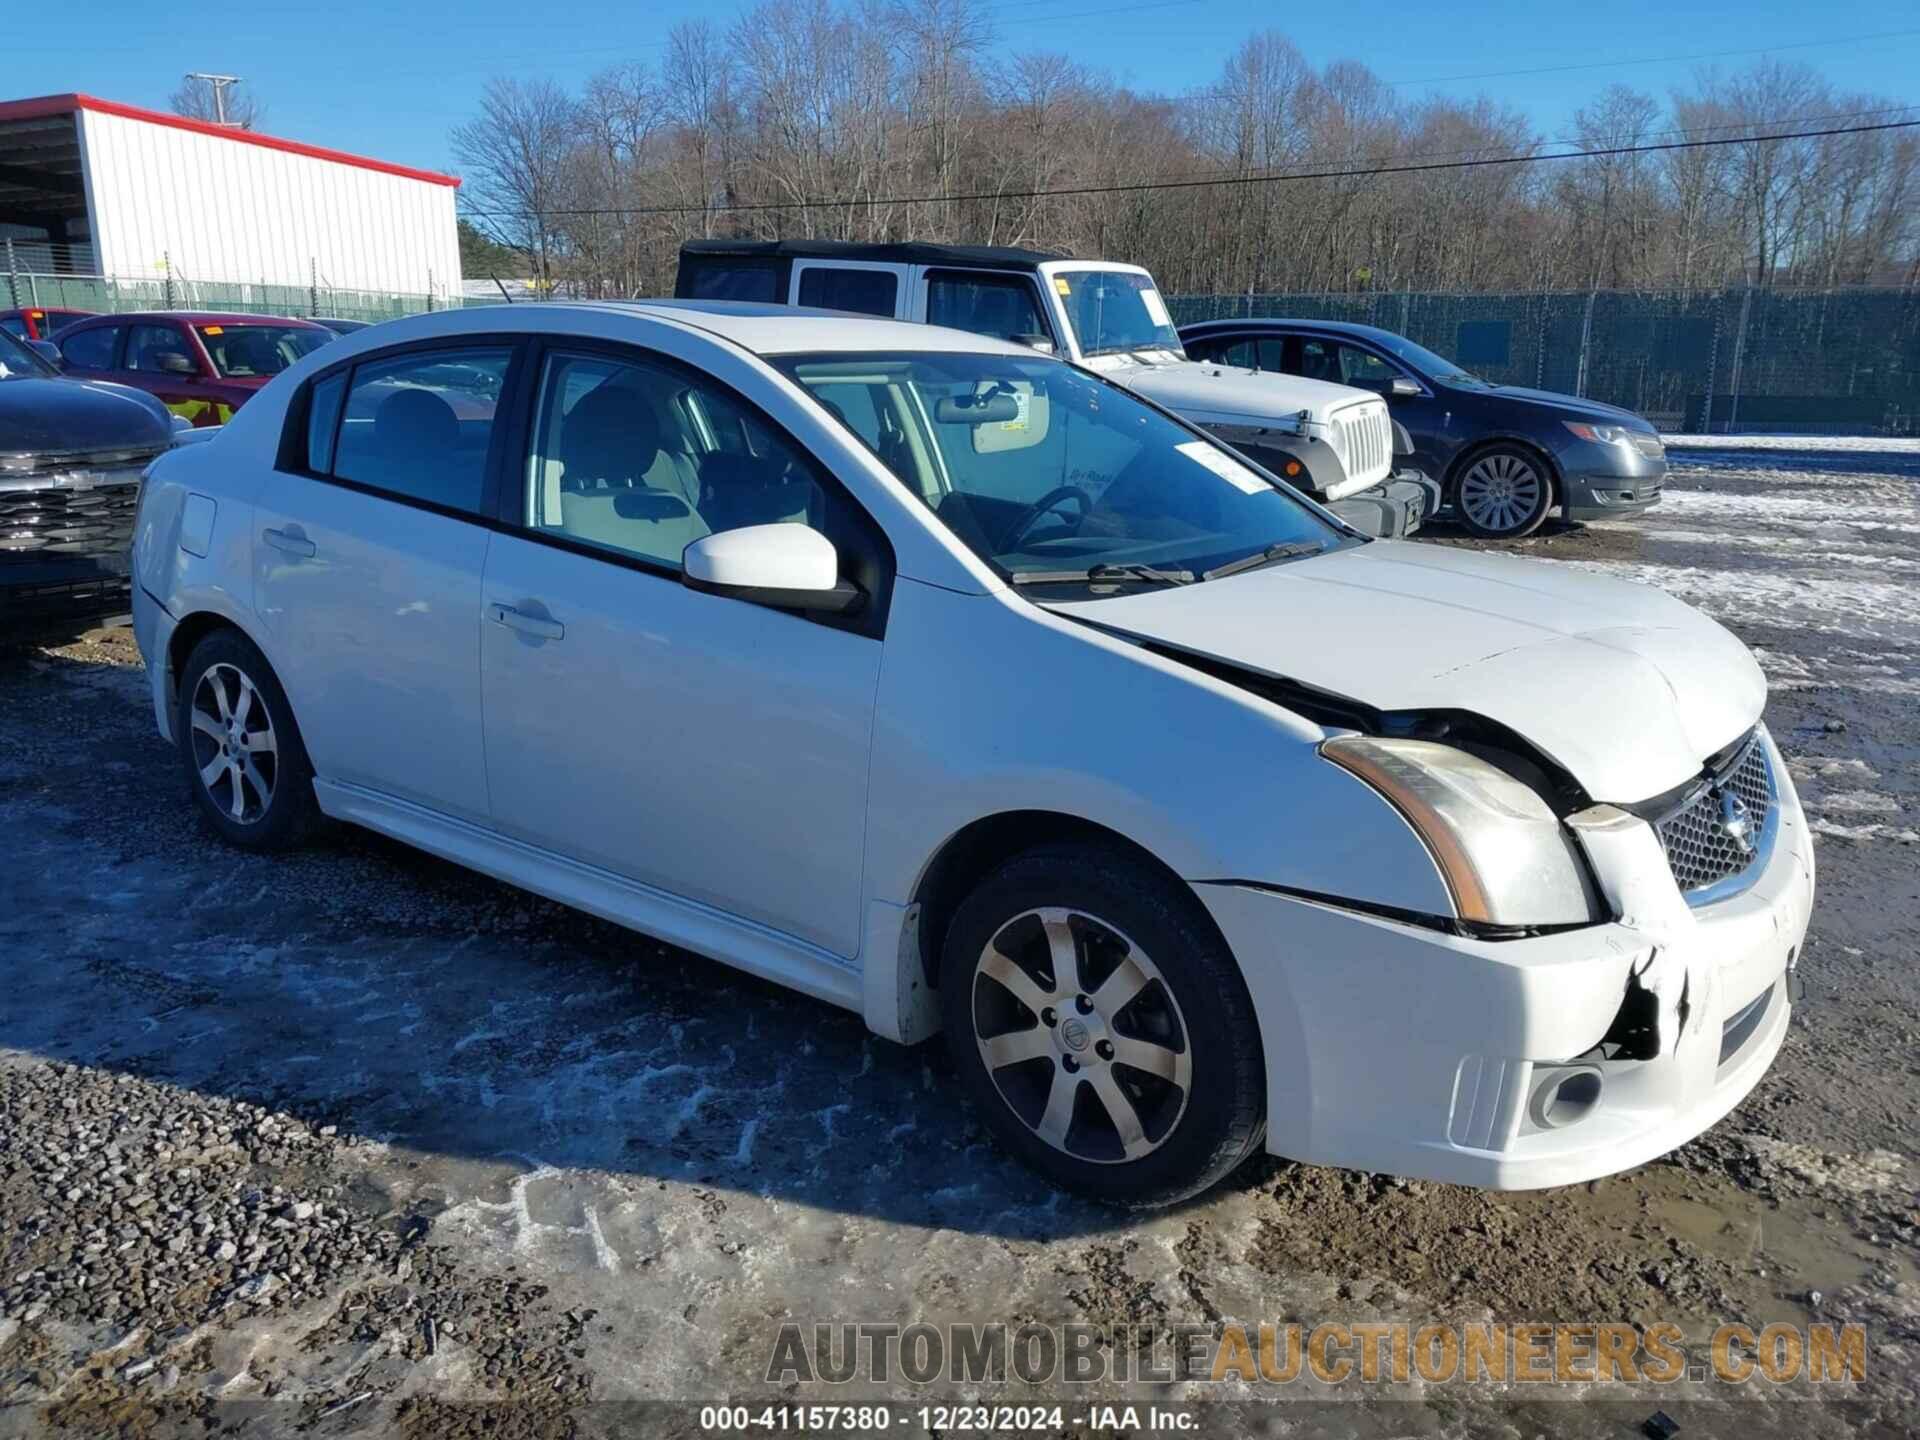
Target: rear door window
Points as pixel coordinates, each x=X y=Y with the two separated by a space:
x=90 y=349
x=418 y=426
x=865 y=292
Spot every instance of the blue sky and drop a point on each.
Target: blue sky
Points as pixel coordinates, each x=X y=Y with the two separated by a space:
x=390 y=79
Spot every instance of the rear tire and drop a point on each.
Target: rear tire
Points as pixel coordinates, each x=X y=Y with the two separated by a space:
x=1505 y=492
x=239 y=747
x=1136 y=1080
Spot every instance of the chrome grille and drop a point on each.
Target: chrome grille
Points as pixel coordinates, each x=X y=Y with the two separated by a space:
x=1701 y=849
x=1648 y=445
x=70 y=505
x=1366 y=439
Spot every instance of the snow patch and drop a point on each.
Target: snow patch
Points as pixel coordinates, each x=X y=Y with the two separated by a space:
x=1846 y=444
x=1871 y=831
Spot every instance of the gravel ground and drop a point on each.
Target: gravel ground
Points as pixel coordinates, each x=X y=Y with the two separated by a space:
x=353 y=1141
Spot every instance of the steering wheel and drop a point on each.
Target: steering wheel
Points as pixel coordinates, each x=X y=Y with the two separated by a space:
x=1043 y=507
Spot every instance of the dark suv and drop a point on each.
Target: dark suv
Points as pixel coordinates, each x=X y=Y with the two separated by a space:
x=1505 y=457
x=71 y=455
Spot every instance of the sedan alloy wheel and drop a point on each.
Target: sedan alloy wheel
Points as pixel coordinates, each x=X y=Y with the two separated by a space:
x=1504 y=495
x=234 y=748
x=1081 y=1035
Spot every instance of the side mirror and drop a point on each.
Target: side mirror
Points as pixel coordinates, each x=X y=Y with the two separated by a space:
x=787 y=566
x=49 y=352
x=1402 y=388
x=1042 y=343
x=174 y=363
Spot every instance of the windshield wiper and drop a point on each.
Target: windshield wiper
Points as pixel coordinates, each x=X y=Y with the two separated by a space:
x=1151 y=574
x=1286 y=550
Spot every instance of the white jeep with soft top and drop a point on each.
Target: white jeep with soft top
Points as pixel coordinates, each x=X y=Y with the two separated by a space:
x=1335 y=442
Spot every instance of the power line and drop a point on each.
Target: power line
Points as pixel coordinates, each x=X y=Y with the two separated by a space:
x=1190 y=184
x=1687 y=131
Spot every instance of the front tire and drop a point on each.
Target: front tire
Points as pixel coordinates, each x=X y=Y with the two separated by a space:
x=1504 y=493
x=1102 y=1028
x=239 y=747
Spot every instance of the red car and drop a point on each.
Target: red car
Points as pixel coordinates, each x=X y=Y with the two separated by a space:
x=201 y=365
x=39 y=322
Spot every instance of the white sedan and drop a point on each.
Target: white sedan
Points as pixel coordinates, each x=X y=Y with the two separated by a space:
x=948 y=683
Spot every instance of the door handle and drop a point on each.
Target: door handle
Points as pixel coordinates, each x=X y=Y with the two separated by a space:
x=527 y=624
x=289 y=542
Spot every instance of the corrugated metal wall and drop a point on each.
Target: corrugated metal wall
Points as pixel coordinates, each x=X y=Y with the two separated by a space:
x=217 y=207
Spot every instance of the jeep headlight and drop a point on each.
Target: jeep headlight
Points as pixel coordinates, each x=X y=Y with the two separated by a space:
x=1503 y=853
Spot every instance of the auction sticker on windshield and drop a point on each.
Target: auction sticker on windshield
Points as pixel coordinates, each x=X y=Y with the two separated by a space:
x=1222 y=464
x=1156 y=307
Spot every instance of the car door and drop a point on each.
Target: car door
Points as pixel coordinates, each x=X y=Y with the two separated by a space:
x=704 y=746
x=162 y=359
x=370 y=539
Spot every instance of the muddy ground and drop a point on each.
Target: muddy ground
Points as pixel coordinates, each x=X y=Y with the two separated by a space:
x=356 y=1142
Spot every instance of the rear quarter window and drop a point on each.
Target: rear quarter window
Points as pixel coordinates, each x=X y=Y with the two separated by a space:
x=752 y=281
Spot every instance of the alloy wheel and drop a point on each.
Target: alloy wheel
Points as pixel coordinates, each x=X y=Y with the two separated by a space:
x=1501 y=492
x=1081 y=1035
x=234 y=748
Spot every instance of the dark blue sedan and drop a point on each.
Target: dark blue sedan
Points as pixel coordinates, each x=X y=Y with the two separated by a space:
x=1506 y=457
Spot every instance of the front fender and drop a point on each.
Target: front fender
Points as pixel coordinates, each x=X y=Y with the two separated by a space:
x=1037 y=712
x=989 y=705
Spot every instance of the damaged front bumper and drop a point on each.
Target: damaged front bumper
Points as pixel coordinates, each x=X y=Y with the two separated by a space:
x=1522 y=1063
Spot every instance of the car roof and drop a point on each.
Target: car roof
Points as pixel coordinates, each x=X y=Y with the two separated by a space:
x=1002 y=257
x=789 y=329
x=1276 y=322
x=210 y=317
x=760 y=329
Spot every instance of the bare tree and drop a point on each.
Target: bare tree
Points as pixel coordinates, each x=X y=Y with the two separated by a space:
x=515 y=153
x=901 y=120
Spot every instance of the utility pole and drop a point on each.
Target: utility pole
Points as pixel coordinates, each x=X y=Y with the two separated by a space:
x=218 y=85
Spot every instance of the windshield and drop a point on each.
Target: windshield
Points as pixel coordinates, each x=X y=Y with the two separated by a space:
x=242 y=351
x=1044 y=470
x=1436 y=367
x=17 y=362
x=1112 y=311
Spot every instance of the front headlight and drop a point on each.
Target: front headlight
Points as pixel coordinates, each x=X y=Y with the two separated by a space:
x=1599 y=434
x=1503 y=853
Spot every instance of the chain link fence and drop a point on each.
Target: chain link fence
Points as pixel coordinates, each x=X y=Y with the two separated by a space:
x=68 y=285
x=1815 y=362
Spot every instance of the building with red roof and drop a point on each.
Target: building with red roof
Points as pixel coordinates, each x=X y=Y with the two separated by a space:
x=91 y=184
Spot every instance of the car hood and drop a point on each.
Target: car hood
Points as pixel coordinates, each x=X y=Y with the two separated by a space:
x=1571 y=406
x=1626 y=688
x=1215 y=394
x=47 y=416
